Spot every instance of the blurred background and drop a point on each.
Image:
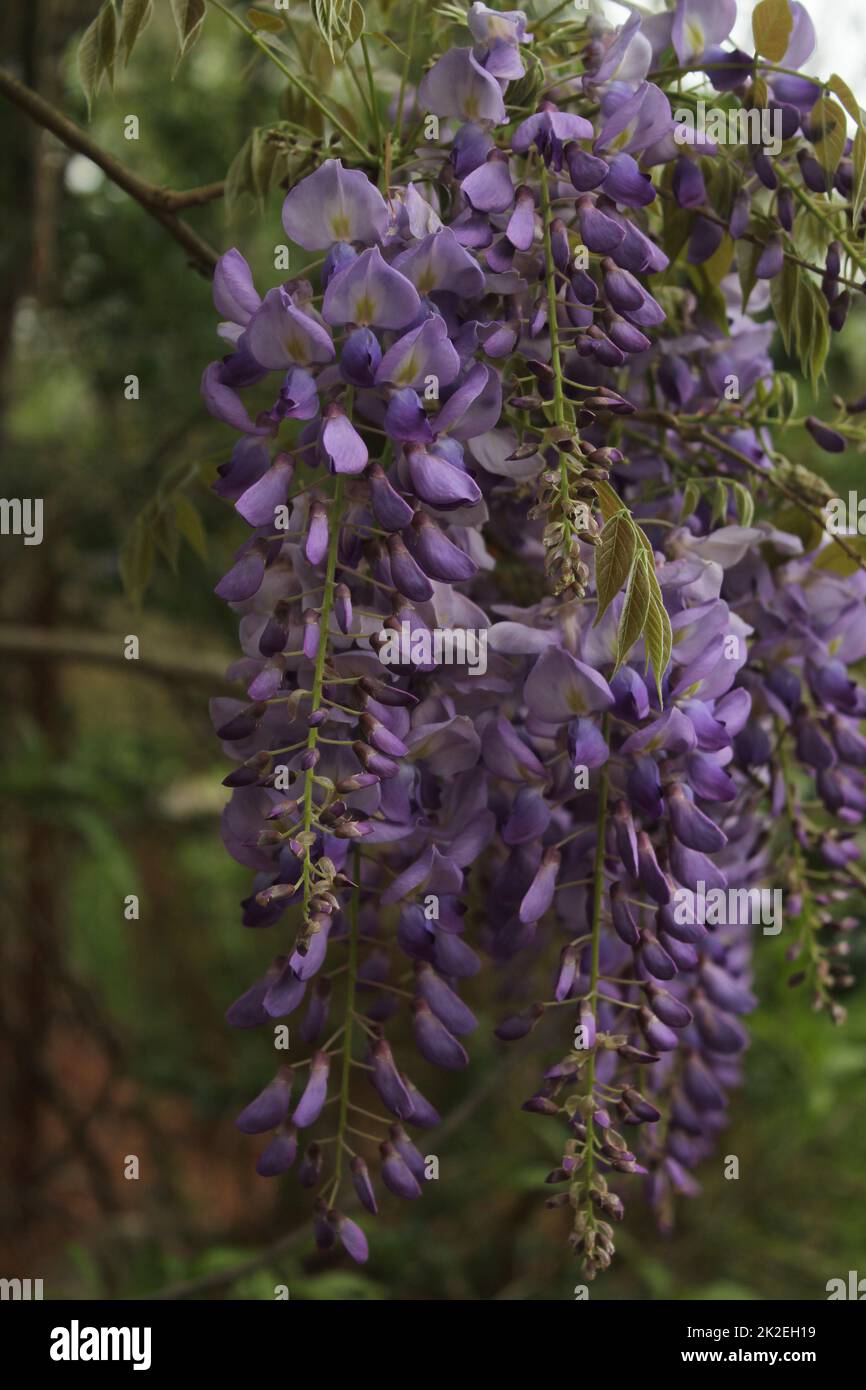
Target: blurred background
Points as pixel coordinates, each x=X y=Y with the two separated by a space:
x=112 y=1030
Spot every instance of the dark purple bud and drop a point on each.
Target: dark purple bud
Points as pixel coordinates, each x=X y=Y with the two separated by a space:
x=270 y=1107
x=690 y=825
x=422 y=1114
x=701 y=1086
x=765 y=171
x=539 y=894
x=623 y=922
x=684 y=957
x=599 y=232
x=381 y=737
x=640 y=1107
x=316 y=1016
x=622 y=291
x=627 y=337
x=839 y=311
x=446 y=1005
x=585 y=170
x=258 y=504
x=831 y=441
x=343 y=607
x=360 y=357
x=279 y=1155
x=585 y=288
x=650 y=875
x=725 y=991
x=655 y=958
x=771 y=260
x=740 y=214
x=626 y=838
x=586 y=745
x=242 y=725
x=512 y=1029
x=645 y=788
x=362 y=1184
x=705 y=240
x=387 y=1082
x=720 y=1032
x=408 y=578
x=658 y=1034
x=670 y=1010
x=396 y=1174
x=813 y=174
x=380 y=767
x=351 y=1237
x=284 y=994
x=813 y=747
x=389 y=508
x=411 y=1156
x=433 y=1039
x=438 y=557
x=310 y=1167
x=315 y=1092
x=785 y=208
x=688 y=184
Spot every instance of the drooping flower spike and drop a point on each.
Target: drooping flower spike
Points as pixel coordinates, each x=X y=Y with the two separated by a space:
x=513 y=378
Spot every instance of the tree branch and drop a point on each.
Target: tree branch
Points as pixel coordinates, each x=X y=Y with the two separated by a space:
x=104 y=649
x=160 y=203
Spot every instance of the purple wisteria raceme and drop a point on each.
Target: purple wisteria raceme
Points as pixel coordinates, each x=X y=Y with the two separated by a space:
x=504 y=411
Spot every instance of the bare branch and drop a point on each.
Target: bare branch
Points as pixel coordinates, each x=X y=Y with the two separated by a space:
x=160 y=203
x=67 y=644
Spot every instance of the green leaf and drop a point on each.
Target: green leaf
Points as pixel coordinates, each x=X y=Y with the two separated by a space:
x=772 y=23
x=613 y=559
x=96 y=49
x=638 y=595
x=239 y=178
x=340 y=23
x=748 y=255
x=658 y=638
x=859 y=193
x=841 y=89
x=745 y=503
x=812 y=330
x=719 y=263
x=134 y=19
x=108 y=40
x=720 y=502
x=136 y=560
x=189 y=523
x=261 y=19
x=263 y=155
x=691 y=498
x=188 y=17
x=784 y=290
x=829 y=132
x=833 y=557
x=608 y=501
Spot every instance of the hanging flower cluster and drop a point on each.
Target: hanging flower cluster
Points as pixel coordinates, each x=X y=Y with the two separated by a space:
x=494 y=418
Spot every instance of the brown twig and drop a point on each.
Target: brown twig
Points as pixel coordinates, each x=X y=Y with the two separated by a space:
x=69 y=644
x=161 y=203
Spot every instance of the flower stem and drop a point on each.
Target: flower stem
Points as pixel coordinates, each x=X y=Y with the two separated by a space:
x=351 y=979
x=597 y=899
x=334 y=518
